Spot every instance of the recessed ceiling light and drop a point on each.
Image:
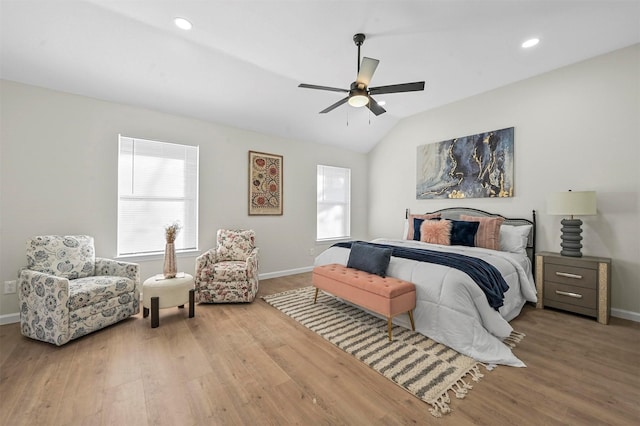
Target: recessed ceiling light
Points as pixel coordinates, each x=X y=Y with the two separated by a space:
x=382 y=103
x=530 y=43
x=182 y=23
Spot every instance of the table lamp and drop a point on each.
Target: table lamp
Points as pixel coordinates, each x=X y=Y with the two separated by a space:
x=572 y=203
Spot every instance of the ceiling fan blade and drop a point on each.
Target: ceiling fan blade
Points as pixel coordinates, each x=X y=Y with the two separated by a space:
x=367 y=68
x=334 y=106
x=374 y=107
x=397 y=88
x=313 y=86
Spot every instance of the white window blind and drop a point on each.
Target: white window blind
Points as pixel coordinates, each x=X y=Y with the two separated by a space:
x=334 y=202
x=157 y=186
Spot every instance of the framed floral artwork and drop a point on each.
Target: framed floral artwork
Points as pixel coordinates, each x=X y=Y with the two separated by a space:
x=265 y=183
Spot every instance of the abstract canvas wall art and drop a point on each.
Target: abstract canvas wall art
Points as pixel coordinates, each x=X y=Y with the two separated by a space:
x=265 y=183
x=475 y=166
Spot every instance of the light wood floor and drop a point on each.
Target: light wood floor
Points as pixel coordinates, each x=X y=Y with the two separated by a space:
x=250 y=364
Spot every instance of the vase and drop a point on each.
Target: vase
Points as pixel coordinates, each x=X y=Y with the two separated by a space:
x=170 y=268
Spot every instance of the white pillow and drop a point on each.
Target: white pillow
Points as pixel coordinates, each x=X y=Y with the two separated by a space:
x=514 y=238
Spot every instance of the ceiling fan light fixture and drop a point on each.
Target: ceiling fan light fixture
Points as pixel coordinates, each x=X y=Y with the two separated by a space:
x=182 y=23
x=359 y=99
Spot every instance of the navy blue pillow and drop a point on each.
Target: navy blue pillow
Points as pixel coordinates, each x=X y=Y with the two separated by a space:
x=463 y=233
x=368 y=258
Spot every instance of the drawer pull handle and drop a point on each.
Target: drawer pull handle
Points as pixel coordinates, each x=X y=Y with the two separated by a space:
x=568 y=275
x=566 y=293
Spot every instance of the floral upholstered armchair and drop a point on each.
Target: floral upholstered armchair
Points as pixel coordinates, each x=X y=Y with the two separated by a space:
x=66 y=292
x=229 y=272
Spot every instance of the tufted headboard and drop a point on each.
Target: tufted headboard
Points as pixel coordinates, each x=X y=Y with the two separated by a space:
x=455 y=213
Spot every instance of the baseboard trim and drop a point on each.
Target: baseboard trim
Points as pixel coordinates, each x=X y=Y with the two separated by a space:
x=618 y=313
x=14 y=318
x=628 y=315
x=10 y=318
x=284 y=273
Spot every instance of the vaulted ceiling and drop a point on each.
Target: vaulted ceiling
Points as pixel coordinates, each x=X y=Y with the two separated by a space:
x=242 y=61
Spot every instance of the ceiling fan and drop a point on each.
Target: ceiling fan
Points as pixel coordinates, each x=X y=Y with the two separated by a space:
x=360 y=92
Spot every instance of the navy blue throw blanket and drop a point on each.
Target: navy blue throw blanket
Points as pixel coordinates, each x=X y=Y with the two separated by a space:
x=484 y=274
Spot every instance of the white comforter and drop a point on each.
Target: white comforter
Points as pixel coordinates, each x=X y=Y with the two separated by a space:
x=450 y=307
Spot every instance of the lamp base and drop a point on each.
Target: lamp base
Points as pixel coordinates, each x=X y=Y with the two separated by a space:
x=571 y=230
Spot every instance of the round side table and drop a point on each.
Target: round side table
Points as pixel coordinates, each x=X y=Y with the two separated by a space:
x=159 y=293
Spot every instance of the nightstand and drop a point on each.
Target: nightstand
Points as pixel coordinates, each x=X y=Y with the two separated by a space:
x=576 y=284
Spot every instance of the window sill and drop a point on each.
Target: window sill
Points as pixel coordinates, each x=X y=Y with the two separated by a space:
x=156 y=256
x=333 y=240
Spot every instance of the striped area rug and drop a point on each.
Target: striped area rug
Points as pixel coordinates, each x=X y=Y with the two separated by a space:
x=425 y=368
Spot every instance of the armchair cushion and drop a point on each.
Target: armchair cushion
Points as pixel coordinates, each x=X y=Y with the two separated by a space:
x=230 y=271
x=69 y=256
x=234 y=244
x=92 y=290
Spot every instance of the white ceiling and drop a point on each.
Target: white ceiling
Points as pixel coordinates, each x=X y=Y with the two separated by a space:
x=243 y=60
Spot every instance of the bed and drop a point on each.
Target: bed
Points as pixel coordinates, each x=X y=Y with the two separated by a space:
x=451 y=307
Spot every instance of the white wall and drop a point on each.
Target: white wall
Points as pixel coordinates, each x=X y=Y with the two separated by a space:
x=575 y=128
x=58 y=175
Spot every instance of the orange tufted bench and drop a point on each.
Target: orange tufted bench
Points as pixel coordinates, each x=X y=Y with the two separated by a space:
x=386 y=296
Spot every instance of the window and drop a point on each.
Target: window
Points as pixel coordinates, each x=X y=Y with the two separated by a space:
x=334 y=203
x=157 y=186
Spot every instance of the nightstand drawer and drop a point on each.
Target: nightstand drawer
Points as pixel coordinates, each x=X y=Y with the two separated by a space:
x=570 y=275
x=572 y=295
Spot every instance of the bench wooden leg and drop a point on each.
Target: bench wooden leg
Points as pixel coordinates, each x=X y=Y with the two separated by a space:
x=390 y=324
x=315 y=299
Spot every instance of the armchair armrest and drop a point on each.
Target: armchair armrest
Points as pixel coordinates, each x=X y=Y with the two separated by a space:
x=43 y=293
x=117 y=268
x=252 y=264
x=202 y=262
x=205 y=259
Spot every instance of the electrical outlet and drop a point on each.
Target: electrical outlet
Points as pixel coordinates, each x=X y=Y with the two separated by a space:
x=312 y=251
x=9 y=287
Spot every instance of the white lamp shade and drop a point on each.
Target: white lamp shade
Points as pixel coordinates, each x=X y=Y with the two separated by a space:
x=578 y=203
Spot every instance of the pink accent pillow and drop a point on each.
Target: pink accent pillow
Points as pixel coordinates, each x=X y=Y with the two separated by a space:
x=419 y=216
x=488 y=235
x=436 y=232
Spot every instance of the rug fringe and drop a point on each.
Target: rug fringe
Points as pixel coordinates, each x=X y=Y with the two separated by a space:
x=460 y=388
x=513 y=339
